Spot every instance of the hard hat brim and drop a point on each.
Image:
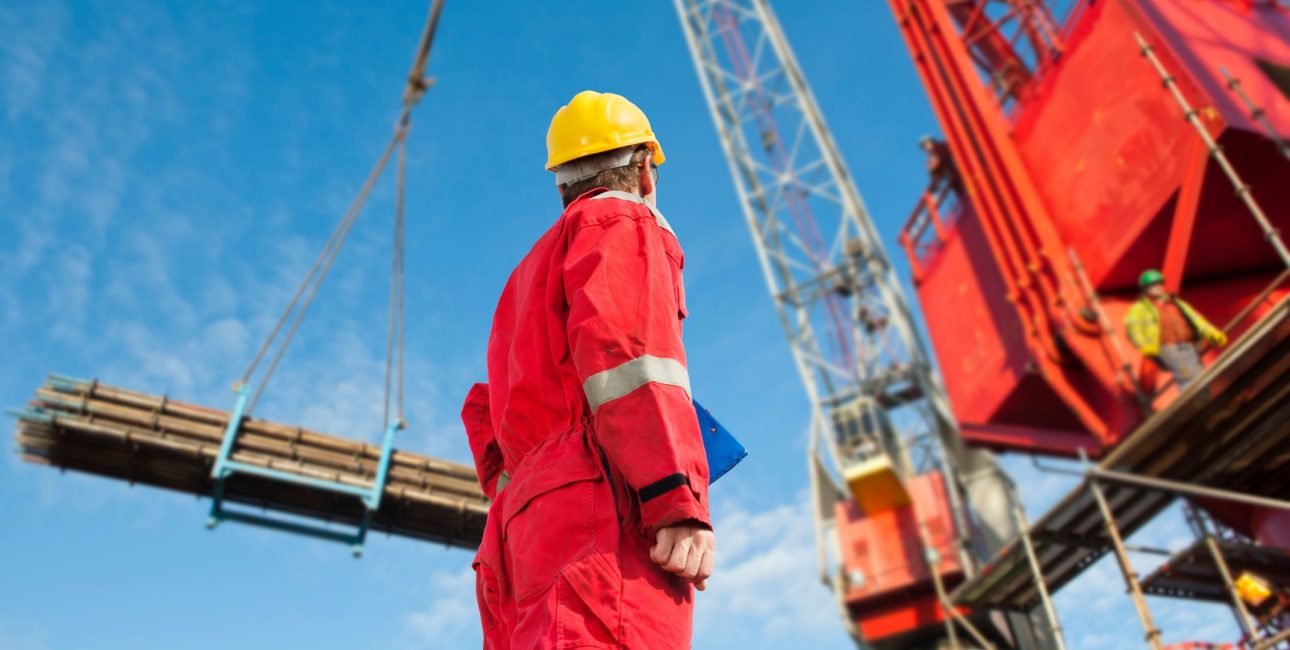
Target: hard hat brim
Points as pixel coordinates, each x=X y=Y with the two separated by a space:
x=656 y=151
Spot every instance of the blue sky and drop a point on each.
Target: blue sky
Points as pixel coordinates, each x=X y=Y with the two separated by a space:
x=168 y=171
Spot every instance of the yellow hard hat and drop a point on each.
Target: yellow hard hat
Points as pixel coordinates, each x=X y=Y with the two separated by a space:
x=595 y=122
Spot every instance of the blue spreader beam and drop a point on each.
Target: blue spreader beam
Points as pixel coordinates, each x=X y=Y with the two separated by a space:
x=225 y=467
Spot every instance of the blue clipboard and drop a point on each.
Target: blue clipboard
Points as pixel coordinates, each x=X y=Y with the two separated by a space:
x=721 y=447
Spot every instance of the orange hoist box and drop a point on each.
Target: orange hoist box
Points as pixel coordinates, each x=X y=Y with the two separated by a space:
x=889 y=589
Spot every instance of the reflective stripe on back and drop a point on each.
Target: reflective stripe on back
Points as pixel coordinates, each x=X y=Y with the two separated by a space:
x=628 y=196
x=627 y=377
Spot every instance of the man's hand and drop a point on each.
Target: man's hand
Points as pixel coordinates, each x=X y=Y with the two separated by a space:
x=687 y=550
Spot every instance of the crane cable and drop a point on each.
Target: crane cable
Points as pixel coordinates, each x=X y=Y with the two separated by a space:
x=395 y=331
x=296 y=309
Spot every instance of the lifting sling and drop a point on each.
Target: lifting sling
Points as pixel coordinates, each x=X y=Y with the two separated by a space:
x=224 y=466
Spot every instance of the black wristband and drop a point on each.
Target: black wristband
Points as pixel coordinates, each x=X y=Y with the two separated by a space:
x=663 y=485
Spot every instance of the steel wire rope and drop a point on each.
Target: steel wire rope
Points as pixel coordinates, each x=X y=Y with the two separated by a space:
x=322 y=266
x=416 y=87
x=395 y=330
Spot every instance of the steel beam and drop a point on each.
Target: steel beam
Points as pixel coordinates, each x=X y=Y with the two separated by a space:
x=1184 y=220
x=1186 y=489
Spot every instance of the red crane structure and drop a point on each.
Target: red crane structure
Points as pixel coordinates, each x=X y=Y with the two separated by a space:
x=1076 y=170
x=1089 y=140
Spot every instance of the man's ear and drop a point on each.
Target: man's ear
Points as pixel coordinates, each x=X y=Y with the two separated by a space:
x=644 y=178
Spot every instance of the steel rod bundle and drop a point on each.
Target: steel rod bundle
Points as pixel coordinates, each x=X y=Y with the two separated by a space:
x=150 y=439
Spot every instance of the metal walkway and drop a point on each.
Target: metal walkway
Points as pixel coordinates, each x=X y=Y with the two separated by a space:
x=1192 y=572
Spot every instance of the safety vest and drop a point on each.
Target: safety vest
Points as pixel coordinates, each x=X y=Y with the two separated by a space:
x=1142 y=322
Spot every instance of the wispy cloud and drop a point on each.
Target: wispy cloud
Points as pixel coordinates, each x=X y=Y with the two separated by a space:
x=31 y=35
x=152 y=269
x=72 y=272
x=766 y=590
x=450 y=619
x=23 y=635
x=1039 y=489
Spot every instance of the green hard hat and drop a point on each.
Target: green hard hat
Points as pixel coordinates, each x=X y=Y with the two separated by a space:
x=1150 y=277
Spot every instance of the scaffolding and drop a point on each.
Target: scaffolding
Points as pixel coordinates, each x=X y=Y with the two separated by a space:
x=1224 y=442
x=1225 y=439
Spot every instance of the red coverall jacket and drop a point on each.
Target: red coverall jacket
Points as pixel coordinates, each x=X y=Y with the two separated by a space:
x=586 y=437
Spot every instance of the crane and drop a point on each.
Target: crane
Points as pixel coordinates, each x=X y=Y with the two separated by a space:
x=880 y=423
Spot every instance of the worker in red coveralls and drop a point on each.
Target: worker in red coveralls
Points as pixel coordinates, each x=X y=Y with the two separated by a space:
x=940 y=164
x=585 y=435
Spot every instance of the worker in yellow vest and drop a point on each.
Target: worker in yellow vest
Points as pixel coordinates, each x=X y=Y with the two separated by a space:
x=1167 y=330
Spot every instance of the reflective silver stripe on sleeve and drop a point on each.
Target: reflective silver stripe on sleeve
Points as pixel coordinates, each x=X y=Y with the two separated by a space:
x=628 y=196
x=627 y=377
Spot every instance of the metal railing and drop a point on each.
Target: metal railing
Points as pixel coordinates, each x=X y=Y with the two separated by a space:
x=928 y=227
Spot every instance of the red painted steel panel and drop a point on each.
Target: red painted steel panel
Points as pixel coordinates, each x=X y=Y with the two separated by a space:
x=976 y=333
x=1202 y=36
x=890 y=589
x=1271 y=527
x=1103 y=141
x=1227 y=241
x=901 y=618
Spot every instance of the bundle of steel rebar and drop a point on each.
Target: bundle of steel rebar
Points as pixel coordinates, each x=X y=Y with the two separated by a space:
x=141 y=438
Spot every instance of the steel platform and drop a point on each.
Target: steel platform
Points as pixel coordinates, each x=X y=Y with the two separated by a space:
x=1230 y=430
x=1191 y=572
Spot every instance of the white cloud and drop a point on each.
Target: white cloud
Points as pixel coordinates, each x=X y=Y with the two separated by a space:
x=31 y=36
x=766 y=590
x=33 y=238
x=23 y=635
x=450 y=619
x=68 y=306
x=1039 y=489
